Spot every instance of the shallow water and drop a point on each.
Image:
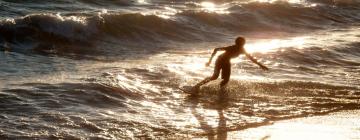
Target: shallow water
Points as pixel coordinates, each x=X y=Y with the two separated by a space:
x=89 y=69
x=338 y=125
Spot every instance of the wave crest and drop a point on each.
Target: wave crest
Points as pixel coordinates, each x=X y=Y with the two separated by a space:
x=77 y=33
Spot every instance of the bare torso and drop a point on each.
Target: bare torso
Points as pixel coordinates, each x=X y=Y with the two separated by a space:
x=232 y=52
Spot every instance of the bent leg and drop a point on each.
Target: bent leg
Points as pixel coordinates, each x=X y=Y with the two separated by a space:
x=208 y=79
x=225 y=74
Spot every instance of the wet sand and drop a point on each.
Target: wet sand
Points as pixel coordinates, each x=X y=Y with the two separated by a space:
x=342 y=125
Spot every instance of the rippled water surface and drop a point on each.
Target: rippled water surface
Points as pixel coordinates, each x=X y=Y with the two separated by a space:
x=112 y=70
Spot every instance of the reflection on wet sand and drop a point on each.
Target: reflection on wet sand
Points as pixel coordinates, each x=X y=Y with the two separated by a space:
x=220 y=104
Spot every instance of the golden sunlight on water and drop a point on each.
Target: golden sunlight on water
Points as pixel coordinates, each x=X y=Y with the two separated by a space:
x=168 y=13
x=211 y=7
x=207 y=4
x=265 y=1
x=134 y=85
x=336 y=126
x=302 y=2
x=276 y=44
x=78 y=19
x=272 y=1
x=300 y=42
x=142 y=1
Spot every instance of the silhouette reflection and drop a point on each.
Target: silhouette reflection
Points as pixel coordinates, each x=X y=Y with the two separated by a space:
x=220 y=104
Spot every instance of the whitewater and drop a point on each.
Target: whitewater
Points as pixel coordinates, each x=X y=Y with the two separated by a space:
x=92 y=69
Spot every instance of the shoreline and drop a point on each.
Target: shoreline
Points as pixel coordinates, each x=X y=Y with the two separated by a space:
x=336 y=125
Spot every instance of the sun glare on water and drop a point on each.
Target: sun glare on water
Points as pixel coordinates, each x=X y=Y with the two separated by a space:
x=212 y=7
x=142 y=1
x=207 y=4
x=289 y=1
x=276 y=44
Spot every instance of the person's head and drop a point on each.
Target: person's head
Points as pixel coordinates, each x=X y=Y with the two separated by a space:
x=240 y=41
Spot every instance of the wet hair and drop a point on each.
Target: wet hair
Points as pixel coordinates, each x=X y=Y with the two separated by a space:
x=240 y=41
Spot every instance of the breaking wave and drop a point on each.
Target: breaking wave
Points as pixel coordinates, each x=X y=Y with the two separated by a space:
x=78 y=32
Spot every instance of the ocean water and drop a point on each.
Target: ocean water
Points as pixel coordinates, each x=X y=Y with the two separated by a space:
x=92 y=69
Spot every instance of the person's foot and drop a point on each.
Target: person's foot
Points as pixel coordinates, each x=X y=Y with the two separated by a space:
x=195 y=89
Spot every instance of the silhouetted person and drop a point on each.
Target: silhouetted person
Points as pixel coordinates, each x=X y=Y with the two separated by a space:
x=223 y=62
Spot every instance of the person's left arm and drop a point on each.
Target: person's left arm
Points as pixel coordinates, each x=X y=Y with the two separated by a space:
x=255 y=61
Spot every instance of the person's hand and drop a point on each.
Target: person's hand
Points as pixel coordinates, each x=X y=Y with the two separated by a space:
x=207 y=64
x=264 y=67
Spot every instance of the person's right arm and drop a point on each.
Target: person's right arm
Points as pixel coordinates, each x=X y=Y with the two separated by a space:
x=213 y=54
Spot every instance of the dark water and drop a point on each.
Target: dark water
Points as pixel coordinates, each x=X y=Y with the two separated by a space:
x=75 y=69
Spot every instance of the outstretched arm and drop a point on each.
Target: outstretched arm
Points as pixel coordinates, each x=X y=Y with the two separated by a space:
x=255 y=61
x=213 y=54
